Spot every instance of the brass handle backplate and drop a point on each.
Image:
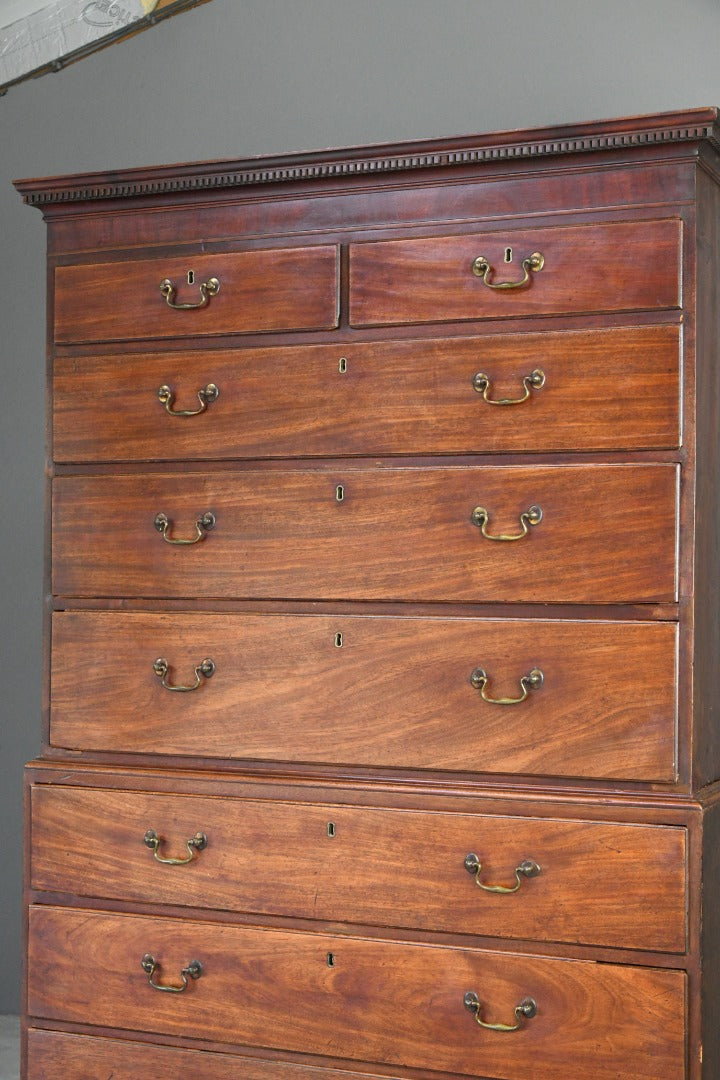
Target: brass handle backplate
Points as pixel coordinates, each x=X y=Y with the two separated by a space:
x=198 y=842
x=203 y=525
x=524 y=1011
x=526 y=869
x=150 y=965
x=206 y=395
x=208 y=288
x=481 y=268
x=532 y=516
x=532 y=681
x=534 y=381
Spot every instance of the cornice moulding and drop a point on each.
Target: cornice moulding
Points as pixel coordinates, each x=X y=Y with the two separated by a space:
x=699 y=125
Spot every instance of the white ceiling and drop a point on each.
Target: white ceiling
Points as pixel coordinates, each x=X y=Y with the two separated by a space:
x=12 y=10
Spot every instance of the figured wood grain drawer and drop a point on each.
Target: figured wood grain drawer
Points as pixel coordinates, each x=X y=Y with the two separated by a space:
x=377 y=1001
x=372 y=691
x=57 y=1055
x=622 y=266
x=597 y=883
x=608 y=533
x=267 y=289
x=615 y=388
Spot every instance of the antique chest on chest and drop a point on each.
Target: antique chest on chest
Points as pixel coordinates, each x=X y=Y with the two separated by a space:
x=382 y=733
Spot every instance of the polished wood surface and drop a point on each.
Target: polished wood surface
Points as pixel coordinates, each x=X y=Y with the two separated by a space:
x=274 y=289
x=395 y=1003
x=609 y=267
x=395 y=692
x=607 y=534
x=56 y=1055
x=604 y=389
x=344 y=340
x=599 y=883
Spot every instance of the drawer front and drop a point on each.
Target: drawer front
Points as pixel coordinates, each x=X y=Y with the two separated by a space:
x=359 y=999
x=607 y=534
x=372 y=691
x=602 y=389
x=622 y=266
x=268 y=289
x=594 y=883
x=56 y=1055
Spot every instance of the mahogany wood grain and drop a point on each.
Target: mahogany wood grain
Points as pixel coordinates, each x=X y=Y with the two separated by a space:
x=396 y=692
x=55 y=1055
x=626 y=214
x=537 y=189
x=390 y=1002
x=271 y=289
x=633 y=139
x=706 y=764
x=607 y=534
x=595 y=267
x=604 y=389
x=599 y=883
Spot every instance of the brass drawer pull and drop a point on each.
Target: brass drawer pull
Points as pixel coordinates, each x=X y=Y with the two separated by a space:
x=481 y=383
x=206 y=669
x=150 y=965
x=532 y=681
x=204 y=524
x=208 y=288
x=525 y=1010
x=528 y=868
x=198 y=842
x=532 y=516
x=481 y=268
x=206 y=395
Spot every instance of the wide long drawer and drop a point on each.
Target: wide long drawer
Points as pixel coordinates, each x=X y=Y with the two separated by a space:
x=57 y=1055
x=399 y=692
x=619 y=266
x=544 y=879
x=567 y=390
x=587 y=533
x=358 y=998
x=259 y=290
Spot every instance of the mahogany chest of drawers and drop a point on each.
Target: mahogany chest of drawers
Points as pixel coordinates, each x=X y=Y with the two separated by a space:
x=382 y=733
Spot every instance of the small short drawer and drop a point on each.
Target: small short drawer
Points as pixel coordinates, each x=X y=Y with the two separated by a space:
x=410 y=1005
x=622 y=266
x=568 y=390
x=258 y=290
x=583 y=533
x=527 y=878
x=390 y=692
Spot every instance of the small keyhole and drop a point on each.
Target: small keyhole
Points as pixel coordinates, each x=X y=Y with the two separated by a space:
x=331 y=959
x=191 y=277
x=339 y=493
x=342 y=365
x=338 y=641
x=508 y=254
x=331 y=829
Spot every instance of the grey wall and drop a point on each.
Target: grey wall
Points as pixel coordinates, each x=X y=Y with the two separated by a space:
x=242 y=77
